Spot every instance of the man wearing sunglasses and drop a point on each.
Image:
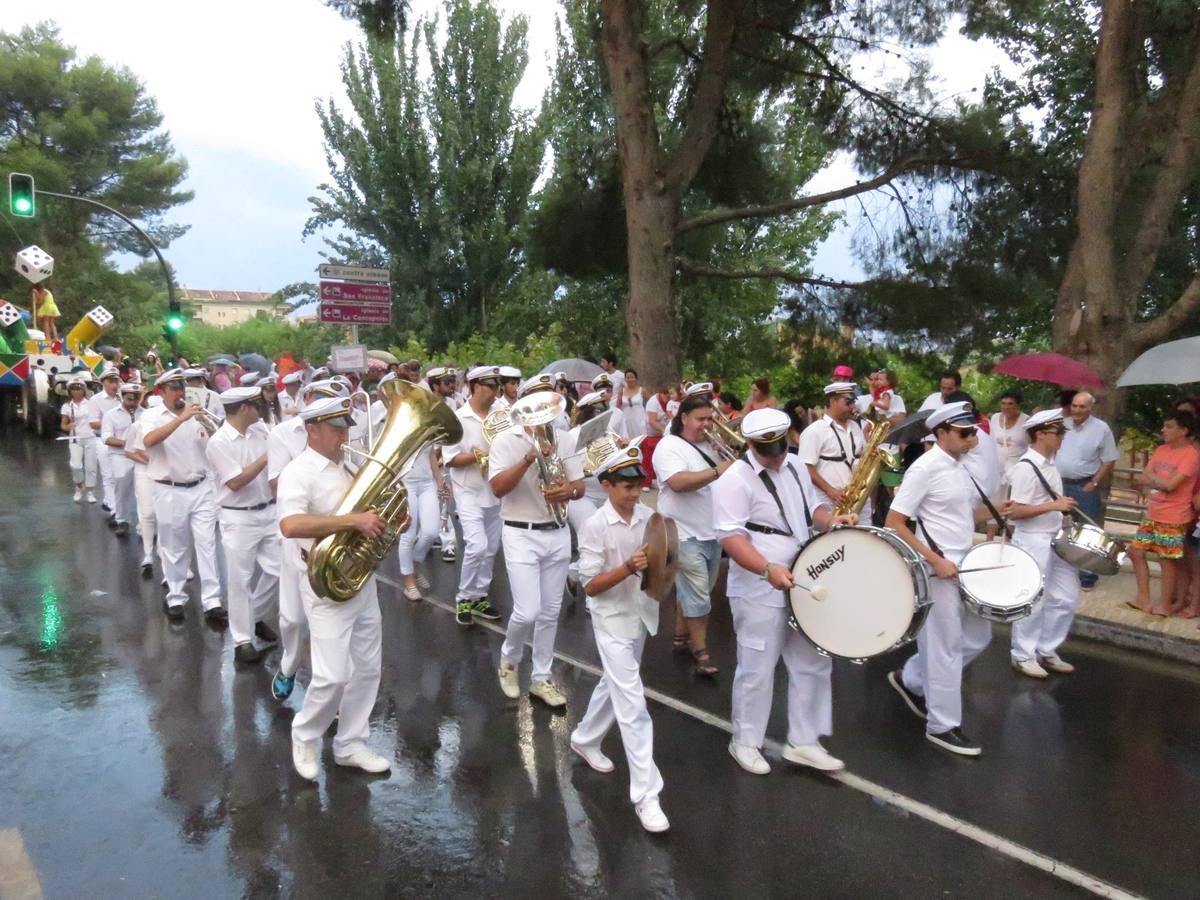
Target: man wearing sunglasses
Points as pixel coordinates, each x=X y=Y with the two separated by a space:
x=1038 y=507
x=938 y=493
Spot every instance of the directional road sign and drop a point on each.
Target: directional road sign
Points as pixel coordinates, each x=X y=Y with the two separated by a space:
x=353 y=273
x=354 y=314
x=356 y=292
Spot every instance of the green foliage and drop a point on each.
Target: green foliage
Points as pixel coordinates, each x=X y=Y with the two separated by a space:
x=270 y=337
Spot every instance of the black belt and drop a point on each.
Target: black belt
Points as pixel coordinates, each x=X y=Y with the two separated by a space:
x=184 y=484
x=1078 y=480
x=250 y=508
x=766 y=529
x=533 y=526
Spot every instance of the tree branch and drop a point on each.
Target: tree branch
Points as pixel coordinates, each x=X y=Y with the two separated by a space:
x=659 y=46
x=1175 y=316
x=692 y=267
x=718 y=216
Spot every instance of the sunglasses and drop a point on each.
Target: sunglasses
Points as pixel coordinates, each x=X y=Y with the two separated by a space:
x=965 y=432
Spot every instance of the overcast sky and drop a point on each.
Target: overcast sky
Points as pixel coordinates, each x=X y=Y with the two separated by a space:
x=236 y=83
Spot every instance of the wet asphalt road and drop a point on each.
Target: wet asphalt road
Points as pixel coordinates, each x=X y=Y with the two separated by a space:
x=135 y=761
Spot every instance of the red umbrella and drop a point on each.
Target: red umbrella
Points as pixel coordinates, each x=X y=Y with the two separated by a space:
x=1053 y=368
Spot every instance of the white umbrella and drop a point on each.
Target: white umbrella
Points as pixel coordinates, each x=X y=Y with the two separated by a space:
x=578 y=371
x=1175 y=362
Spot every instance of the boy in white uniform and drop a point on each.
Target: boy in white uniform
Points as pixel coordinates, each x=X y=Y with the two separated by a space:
x=98 y=405
x=77 y=423
x=612 y=555
x=114 y=428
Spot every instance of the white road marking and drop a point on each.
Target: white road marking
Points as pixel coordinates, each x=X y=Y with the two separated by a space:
x=991 y=840
x=18 y=877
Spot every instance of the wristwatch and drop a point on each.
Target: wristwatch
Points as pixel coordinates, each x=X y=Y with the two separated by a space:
x=765 y=574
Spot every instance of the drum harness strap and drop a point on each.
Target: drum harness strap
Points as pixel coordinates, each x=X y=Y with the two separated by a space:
x=849 y=461
x=1041 y=478
x=770 y=485
x=703 y=455
x=986 y=502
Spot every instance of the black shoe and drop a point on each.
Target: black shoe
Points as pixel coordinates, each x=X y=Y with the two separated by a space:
x=216 y=617
x=174 y=613
x=246 y=653
x=462 y=612
x=955 y=741
x=485 y=610
x=112 y=521
x=147 y=570
x=121 y=530
x=915 y=702
x=265 y=632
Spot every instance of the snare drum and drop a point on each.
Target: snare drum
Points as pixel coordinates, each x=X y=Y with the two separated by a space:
x=1001 y=595
x=876 y=592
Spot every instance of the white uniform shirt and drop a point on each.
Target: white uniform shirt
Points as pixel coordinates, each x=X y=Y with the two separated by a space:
x=468 y=479
x=80 y=417
x=133 y=441
x=606 y=541
x=568 y=445
x=1010 y=442
x=99 y=404
x=691 y=510
x=213 y=404
x=180 y=457
x=288 y=405
x=739 y=496
x=116 y=424
x=937 y=490
x=1027 y=488
x=310 y=485
x=933 y=401
x=229 y=453
x=285 y=442
x=1085 y=449
x=831 y=449
x=525 y=502
x=983 y=463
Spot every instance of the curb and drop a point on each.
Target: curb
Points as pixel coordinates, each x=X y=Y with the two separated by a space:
x=1163 y=645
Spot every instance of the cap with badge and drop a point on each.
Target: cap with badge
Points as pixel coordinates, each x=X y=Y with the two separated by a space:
x=698 y=389
x=625 y=463
x=266 y=381
x=956 y=415
x=767 y=430
x=590 y=399
x=170 y=376
x=294 y=377
x=130 y=387
x=327 y=388
x=543 y=382
x=330 y=411
x=195 y=373
x=485 y=374
x=109 y=372
x=249 y=378
x=510 y=373
x=436 y=372
x=240 y=394
x=560 y=376
x=1044 y=418
x=601 y=380
x=842 y=389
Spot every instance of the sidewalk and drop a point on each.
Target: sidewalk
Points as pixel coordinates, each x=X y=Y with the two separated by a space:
x=1103 y=616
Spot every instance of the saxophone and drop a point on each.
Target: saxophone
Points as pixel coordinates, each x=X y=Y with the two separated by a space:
x=866 y=475
x=340 y=564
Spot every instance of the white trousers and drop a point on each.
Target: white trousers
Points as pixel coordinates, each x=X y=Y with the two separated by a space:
x=1042 y=632
x=251 y=540
x=104 y=463
x=763 y=636
x=620 y=698
x=293 y=620
x=143 y=490
x=446 y=536
x=951 y=637
x=537 y=563
x=81 y=454
x=186 y=517
x=347 y=643
x=425 y=510
x=481 y=540
x=123 y=498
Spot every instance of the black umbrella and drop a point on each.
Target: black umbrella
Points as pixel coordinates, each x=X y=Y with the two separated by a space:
x=911 y=429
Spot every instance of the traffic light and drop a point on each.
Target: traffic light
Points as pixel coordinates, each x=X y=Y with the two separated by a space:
x=173 y=323
x=21 y=201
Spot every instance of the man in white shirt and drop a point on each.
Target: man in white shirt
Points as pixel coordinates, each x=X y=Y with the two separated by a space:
x=98 y=405
x=948 y=382
x=762 y=506
x=603 y=385
x=346 y=638
x=510 y=383
x=478 y=508
x=686 y=464
x=114 y=427
x=289 y=400
x=77 y=423
x=832 y=446
x=443 y=381
x=143 y=489
x=1038 y=507
x=612 y=556
x=184 y=501
x=249 y=526
x=537 y=547
x=1086 y=460
x=197 y=379
x=938 y=493
x=608 y=362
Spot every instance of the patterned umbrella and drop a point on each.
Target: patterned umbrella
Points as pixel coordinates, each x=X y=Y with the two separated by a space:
x=1053 y=368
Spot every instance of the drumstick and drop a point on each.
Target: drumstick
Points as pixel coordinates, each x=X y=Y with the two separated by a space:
x=985 y=568
x=817 y=591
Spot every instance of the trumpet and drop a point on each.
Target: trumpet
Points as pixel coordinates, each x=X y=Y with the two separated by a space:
x=196 y=397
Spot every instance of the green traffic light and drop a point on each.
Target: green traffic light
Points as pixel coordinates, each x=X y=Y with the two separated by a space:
x=175 y=323
x=22 y=205
x=21 y=195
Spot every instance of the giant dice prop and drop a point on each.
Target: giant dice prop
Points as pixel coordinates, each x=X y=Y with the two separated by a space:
x=34 y=264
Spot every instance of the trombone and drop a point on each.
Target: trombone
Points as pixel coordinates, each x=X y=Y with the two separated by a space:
x=727 y=440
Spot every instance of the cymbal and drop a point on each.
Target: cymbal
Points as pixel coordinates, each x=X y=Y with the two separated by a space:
x=662 y=550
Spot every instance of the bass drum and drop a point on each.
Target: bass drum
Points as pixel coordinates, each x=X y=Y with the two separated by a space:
x=873 y=597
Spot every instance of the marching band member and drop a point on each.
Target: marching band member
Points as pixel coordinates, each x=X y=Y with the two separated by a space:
x=289 y=400
x=687 y=464
x=616 y=422
x=98 y=405
x=537 y=551
x=198 y=378
x=937 y=492
x=612 y=555
x=114 y=429
x=442 y=380
x=77 y=423
x=143 y=489
x=426 y=487
x=832 y=446
x=1038 y=507
x=764 y=507
x=510 y=381
x=249 y=534
x=184 y=502
x=346 y=638
x=594 y=494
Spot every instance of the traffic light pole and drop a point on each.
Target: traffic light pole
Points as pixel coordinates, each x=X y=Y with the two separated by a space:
x=128 y=221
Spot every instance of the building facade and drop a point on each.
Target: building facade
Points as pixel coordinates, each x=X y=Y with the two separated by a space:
x=223 y=308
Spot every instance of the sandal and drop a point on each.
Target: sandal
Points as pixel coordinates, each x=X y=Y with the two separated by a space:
x=679 y=643
x=703 y=663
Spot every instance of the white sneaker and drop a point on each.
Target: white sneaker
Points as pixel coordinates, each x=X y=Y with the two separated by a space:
x=1056 y=663
x=593 y=757
x=367 y=760
x=78 y=495
x=1028 y=667
x=509 y=682
x=548 y=692
x=304 y=758
x=91 y=497
x=411 y=592
x=814 y=756
x=749 y=758
x=423 y=583
x=651 y=815
x=147 y=561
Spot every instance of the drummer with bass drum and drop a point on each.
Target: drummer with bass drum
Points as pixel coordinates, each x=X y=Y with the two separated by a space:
x=938 y=492
x=764 y=507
